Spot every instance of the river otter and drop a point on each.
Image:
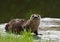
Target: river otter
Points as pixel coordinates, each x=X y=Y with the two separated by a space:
x=33 y=23
x=18 y=25
x=15 y=26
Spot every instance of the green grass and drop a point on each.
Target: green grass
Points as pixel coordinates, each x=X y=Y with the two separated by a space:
x=25 y=37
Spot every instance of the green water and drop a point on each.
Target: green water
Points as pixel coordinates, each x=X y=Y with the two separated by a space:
x=10 y=9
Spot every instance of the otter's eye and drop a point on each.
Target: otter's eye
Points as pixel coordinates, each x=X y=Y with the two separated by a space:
x=33 y=16
x=38 y=16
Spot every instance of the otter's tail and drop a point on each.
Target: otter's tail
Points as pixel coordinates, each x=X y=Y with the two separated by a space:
x=6 y=27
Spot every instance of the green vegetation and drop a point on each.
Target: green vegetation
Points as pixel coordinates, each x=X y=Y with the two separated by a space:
x=10 y=9
x=25 y=37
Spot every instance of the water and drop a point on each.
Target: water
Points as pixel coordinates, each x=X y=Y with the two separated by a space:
x=49 y=27
x=50 y=22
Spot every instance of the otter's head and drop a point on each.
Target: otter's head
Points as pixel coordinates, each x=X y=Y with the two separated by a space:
x=35 y=17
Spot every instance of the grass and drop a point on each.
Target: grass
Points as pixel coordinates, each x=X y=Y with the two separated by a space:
x=25 y=37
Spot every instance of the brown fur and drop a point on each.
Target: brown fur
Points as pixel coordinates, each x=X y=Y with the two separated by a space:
x=15 y=26
x=33 y=23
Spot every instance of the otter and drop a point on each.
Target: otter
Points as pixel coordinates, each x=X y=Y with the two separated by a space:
x=18 y=25
x=15 y=26
x=32 y=23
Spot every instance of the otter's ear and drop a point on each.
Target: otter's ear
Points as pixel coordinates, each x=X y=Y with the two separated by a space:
x=32 y=15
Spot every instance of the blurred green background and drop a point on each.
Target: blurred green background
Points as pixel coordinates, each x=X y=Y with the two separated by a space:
x=10 y=9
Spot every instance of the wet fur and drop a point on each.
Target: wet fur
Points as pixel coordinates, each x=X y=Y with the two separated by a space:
x=32 y=24
x=15 y=26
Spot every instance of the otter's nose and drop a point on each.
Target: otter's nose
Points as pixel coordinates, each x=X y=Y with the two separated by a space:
x=35 y=17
